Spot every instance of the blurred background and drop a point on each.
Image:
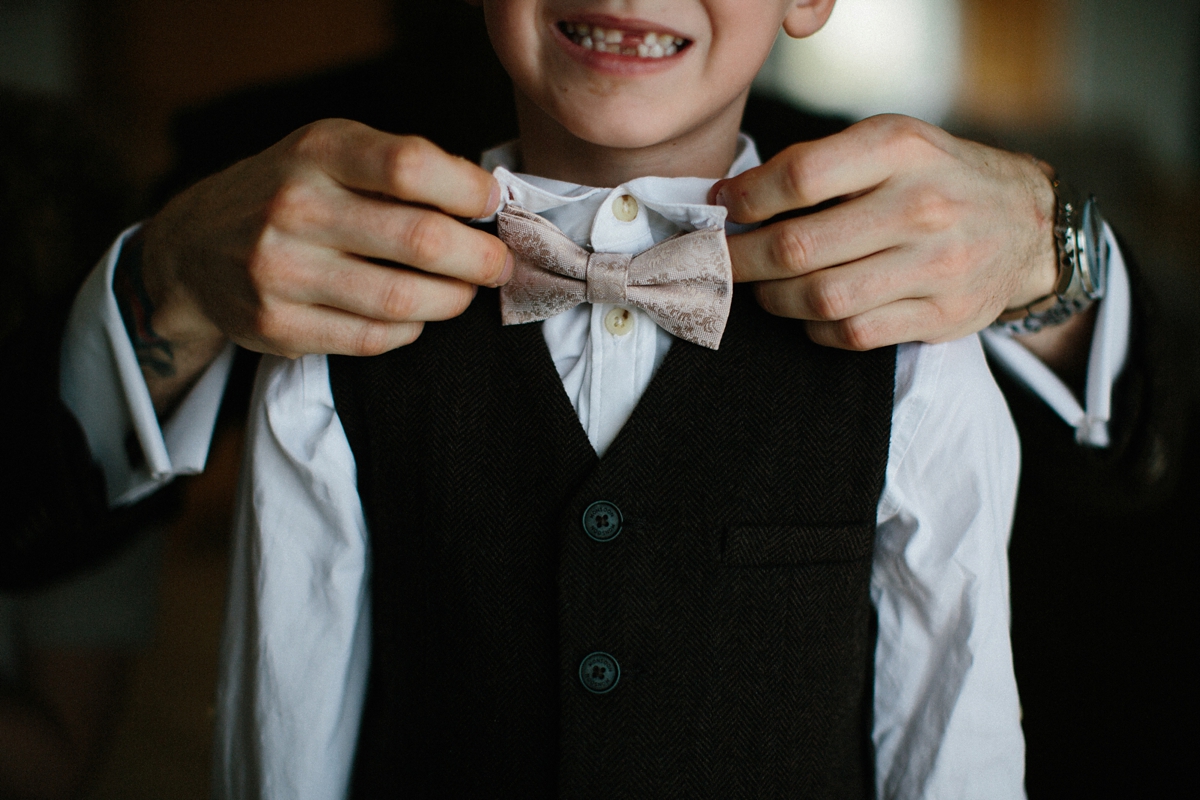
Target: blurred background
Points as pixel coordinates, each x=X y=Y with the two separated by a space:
x=1106 y=90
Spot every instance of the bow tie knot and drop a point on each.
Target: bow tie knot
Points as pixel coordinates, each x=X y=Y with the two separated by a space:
x=608 y=278
x=684 y=283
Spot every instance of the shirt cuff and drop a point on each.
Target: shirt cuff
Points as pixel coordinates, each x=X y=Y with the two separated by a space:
x=101 y=382
x=1110 y=347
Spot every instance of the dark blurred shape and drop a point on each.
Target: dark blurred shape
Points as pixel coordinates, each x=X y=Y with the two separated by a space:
x=64 y=651
x=140 y=61
x=424 y=84
x=63 y=194
x=63 y=197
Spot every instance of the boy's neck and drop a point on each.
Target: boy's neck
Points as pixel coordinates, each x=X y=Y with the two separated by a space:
x=551 y=151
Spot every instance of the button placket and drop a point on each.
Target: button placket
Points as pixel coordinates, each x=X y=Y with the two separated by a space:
x=615 y=230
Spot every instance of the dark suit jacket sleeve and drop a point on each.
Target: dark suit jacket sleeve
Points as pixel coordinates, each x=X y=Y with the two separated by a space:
x=58 y=519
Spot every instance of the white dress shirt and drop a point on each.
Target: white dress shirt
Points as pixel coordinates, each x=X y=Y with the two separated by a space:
x=296 y=647
x=297 y=644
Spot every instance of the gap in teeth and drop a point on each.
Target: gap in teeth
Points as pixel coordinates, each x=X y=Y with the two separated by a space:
x=611 y=40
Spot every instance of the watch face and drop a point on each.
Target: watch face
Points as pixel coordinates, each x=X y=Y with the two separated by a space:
x=1095 y=251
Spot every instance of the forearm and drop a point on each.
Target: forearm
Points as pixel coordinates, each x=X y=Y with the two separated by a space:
x=1064 y=348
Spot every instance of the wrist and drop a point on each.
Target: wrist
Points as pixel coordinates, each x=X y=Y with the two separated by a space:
x=1042 y=278
x=172 y=340
x=175 y=314
x=1081 y=266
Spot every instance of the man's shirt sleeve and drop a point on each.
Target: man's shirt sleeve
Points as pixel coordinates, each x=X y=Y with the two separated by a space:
x=101 y=382
x=1110 y=347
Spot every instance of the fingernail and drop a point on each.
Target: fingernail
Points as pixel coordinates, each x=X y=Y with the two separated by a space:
x=507 y=272
x=493 y=202
x=716 y=195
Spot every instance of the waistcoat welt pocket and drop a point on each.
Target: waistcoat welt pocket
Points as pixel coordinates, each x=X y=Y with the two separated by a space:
x=787 y=545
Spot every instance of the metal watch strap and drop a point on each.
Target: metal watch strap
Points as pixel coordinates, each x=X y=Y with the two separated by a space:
x=1082 y=250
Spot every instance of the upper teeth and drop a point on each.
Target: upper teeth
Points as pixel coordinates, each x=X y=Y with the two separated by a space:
x=612 y=40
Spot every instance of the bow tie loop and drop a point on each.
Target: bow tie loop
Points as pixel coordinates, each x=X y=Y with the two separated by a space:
x=608 y=278
x=685 y=283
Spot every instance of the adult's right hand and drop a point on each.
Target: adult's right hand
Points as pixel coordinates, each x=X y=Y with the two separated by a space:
x=299 y=248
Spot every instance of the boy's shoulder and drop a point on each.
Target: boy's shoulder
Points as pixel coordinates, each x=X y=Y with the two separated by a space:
x=945 y=393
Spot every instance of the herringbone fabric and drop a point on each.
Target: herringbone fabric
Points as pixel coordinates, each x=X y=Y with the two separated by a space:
x=735 y=597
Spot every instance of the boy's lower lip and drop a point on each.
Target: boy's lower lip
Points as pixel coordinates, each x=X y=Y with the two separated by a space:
x=629 y=62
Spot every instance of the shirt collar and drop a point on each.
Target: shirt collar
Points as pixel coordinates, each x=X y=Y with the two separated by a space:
x=666 y=205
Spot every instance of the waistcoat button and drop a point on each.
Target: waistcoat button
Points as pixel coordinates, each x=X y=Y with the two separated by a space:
x=599 y=672
x=602 y=521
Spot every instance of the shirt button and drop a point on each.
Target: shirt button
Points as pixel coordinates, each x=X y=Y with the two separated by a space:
x=602 y=521
x=625 y=208
x=599 y=672
x=618 y=322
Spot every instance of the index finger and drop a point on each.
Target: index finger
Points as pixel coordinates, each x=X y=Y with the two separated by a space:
x=407 y=168
x=809 y=173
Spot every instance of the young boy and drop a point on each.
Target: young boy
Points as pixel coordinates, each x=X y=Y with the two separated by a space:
x=583 y=558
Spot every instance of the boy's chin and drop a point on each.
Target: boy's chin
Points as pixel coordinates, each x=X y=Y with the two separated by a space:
x=624 y=134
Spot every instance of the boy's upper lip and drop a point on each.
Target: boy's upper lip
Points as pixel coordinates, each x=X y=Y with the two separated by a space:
x=626 y=24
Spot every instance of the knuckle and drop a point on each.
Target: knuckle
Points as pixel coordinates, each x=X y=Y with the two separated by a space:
x=909 y=137
x=274 y=274
x=902 y=127
x=294 y=205
x=799 y=175
x=310 y=140
x=263 y=269
x=269 y=326
x=858 y=334
x=371 y=339
x=399 y=299
x=931 y=211
x=425 y=238
x=827 y=298
x=314 y=141
x=408 y=161
x=794 y=248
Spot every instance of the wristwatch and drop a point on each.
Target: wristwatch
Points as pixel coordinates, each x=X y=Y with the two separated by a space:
x=1083 y=256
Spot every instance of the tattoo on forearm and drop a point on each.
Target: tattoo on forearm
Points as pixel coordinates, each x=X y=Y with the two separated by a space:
x=153 y=351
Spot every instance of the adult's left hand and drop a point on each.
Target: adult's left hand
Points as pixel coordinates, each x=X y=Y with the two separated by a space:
x=924 y=236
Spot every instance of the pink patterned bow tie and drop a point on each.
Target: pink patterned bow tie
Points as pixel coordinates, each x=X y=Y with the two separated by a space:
x=684 y=283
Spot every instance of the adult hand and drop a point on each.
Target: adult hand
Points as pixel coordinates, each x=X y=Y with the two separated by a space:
x=926 y=237
x=298 y=249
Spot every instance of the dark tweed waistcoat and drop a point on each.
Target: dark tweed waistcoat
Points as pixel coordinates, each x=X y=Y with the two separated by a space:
x=734 y=598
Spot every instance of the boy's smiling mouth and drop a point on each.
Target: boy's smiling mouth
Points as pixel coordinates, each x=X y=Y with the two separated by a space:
x=617 y=40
